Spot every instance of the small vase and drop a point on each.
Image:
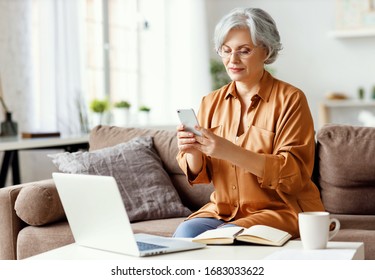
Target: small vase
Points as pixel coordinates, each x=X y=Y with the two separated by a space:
x=96 y=119
x=121 y=117
x=9 y=127
x=143 y=118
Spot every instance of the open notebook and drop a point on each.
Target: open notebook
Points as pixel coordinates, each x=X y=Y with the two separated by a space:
x=257 y=234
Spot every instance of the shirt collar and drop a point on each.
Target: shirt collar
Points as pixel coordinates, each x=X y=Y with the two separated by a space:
x=264 y=92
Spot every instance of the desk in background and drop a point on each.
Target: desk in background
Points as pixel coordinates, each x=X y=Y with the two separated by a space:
x=12 y=145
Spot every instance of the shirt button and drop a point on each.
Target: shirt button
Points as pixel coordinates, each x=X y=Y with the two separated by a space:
x=234 y=187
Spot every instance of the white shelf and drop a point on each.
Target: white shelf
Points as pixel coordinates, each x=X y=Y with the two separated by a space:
x=353 y=33
x=349 y=103
x=344 y=111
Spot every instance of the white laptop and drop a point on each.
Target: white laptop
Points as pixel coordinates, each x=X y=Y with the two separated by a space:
x=97 y=217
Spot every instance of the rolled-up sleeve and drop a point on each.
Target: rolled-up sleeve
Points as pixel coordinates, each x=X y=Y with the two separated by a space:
x=203 y=177
x=290 y=166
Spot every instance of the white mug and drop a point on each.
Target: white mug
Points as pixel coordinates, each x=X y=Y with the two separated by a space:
x=314 y=228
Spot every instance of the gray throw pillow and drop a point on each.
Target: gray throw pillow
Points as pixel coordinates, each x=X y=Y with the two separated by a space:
x=145 y=186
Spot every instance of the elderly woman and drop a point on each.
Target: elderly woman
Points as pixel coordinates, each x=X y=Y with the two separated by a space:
x=257 y=143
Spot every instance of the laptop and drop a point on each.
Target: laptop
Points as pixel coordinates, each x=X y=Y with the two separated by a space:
x=97 y=217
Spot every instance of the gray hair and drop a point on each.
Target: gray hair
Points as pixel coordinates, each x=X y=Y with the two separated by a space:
x=260 y=24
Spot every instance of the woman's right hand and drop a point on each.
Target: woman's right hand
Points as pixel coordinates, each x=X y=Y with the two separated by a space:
x=187 y=143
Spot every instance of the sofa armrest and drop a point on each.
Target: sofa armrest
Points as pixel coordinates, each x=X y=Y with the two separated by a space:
x=10 y=223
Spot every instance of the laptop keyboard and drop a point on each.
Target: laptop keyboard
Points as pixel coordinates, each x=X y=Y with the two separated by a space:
x=143 y=246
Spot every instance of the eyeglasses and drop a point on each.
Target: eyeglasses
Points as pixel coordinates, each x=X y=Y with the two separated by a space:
x=241 y=53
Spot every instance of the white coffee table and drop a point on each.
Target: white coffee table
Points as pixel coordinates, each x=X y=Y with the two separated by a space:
x=291 y=250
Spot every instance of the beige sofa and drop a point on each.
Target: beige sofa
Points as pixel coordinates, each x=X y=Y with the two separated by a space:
x=43 y=225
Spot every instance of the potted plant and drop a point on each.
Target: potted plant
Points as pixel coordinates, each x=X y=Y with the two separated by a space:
x=99 y=106
x=144 y=109
x=122 y=104
x=144 y=114
x=121 y=113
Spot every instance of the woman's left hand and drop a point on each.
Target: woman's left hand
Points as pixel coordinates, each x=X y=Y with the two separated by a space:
x=213 y=145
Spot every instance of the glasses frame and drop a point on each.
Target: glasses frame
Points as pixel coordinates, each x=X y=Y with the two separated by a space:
x=239 y=53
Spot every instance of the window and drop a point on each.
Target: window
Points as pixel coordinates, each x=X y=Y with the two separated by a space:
x=147 y=52
x=111 y=44
x=118 y=46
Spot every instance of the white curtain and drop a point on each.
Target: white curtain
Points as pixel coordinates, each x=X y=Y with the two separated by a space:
x=188 y=53
x=61 y=67
x=175 y=57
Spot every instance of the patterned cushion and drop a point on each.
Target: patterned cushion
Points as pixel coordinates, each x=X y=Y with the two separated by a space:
x=145 y=187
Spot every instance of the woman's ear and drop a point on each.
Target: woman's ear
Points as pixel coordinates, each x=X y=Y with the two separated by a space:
x=266 y=53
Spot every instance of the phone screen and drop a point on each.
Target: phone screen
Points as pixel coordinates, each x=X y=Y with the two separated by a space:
x=189 y=120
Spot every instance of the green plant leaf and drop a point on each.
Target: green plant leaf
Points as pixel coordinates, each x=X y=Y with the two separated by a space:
x=99 y=106
x=219 y=74
x=122 y=104
x=144 y=108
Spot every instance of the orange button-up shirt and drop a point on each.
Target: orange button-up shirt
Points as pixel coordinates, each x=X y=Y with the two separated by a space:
x=280 y=126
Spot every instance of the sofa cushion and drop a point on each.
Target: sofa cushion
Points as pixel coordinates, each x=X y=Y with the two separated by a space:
x=346 y=165
x=145 y=187
x=39 y=204
x=36 y=240
x=347 y=221
x=164 y=227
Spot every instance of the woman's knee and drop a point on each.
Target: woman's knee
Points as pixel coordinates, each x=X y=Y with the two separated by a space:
x=196 y=226
x=185 y=229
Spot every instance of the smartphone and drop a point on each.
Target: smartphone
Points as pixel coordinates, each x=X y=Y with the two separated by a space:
x=189 y=120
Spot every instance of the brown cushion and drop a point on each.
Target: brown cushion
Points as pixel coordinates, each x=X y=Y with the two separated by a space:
x=145 y=187
x=346 y=168
x=39 y=204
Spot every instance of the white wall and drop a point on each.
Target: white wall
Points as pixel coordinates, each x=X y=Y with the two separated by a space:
x=311 y=59
x=15 y=59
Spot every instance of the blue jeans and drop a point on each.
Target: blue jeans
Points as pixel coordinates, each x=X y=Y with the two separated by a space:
x=193 y=227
